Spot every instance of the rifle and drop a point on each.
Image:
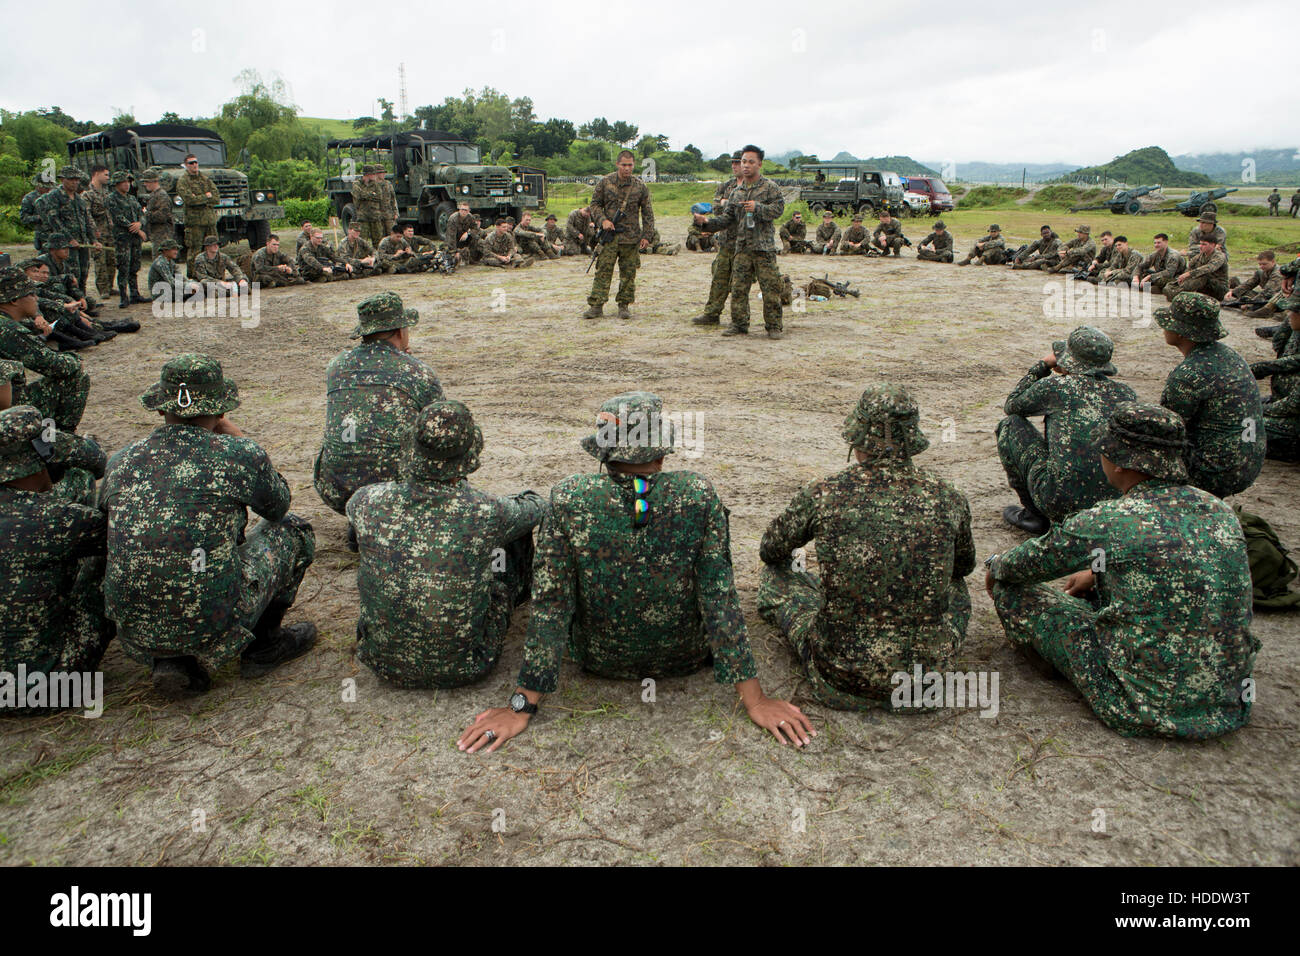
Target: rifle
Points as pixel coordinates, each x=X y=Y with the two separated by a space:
x=606 y=235
x=839 y=288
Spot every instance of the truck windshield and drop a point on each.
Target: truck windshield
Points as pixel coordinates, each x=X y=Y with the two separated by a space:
x=172 y=152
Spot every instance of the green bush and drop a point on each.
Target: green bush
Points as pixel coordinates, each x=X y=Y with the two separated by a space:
x=1240 y=209
x=11 y=227
x=296 y=210
x=986 y=196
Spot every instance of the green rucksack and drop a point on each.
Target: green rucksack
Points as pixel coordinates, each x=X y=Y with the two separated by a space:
x=1271 y=570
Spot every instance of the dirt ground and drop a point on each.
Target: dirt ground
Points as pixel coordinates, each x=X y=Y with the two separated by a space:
x=284 y=771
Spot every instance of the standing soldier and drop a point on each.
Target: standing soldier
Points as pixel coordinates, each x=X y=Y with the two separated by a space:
x=990 y=250
x=854 y=240
x=65 y=212
x=272 y=268
x=127 y=220
x=1274 y=200
x=531 y=240
x=555 y=235
x=940 y=245
x=368 y=205
x=1075 y=254
x=753 y=208
x=827 y=236
x=1159 y=268
x=720 y=285
x=96 y=196
x=1294 y=211
x=499 y=250
x=29 y=215
x=389 y=207
x=159 y=217
x=624 y=197
x=794 y=235
x=889 y=235
x=200 y=196
x=579 y=231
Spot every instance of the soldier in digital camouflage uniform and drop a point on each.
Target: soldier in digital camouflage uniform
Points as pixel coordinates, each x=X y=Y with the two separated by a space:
x=397 y=256
x=272 y=268
x=1282 y=410
x=531 y=240
x=368 y=203
x=579 y=231
x=752 y=208
x=373 y=393
x=1214 y=392
x=1206 y=225
x=63 y=271
x=29 y=214
x=793 y=234
x=658 y=247
x=939 y=242
x=1102 y=259
x=389 y=191
x=51 y=562
x=633 y=577
x=165 y=285
x=499 y=250
x=826 y=240
x=1206 y=273
x=1122 y=263
x=1170 y=651
x=1274 y=200
x=555 y=236
x=442 y=564
x=888 y=235
x=357 y=252
x=1056 y=472
x=1042 y=250
x=188 y=589
x=854 y=241
x=1161 y=267
x=991 y=249
x=159 y=214
x=95 y=197
x=73 y=462
x=725 y=243
x=127 y=219
x=61 y=393
x=200 y=196
x=894 y=547
x=318 y=262
x=1294 y=211
x=464 y=234
x=1075 y=254
x=1262 y=285
x=697 y=240
x=620 y=194
x=216 y=271
x=65 y=212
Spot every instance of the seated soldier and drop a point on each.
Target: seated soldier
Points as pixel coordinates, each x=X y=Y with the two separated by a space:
x=63 y=272
x=1288 y=273
x=185 y=586
x=1206 y=227
x=1206 y=274
x=303 y=237
x=358 y=252
x=64 y=322
x=1122 y=265
x=443 y=564
x=165 y=286
x=396 y=254
x=74 y=463
x=888 y=236
x=499 y=248
x=793 y=234
x=1159 y=268
x=1255 y=291
x=827 y=239
x=854 y=240
x=1214 y=393
x=217 y=272
x=373 y=394
x=463 y=234
x=1101 y=260
x=51 y=564
x=634 y=578
x=1282 y=408
x=1075 y=254
x=271 y=267
x=579 y=232
x=554 y=235
x=318 y=262
x=990 y=250
x=1042 y=250
x=1059 y=474
x=532 y=241
x=894 y=547
x=61 y=393
x=1169 y=651
x=658 y=247
x=937 y=246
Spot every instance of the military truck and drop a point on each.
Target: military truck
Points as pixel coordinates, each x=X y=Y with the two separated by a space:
x=241 y=214
x=846 y=188
x=431 y=170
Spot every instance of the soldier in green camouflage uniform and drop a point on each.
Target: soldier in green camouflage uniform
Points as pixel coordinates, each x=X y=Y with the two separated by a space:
x=96 y=196
x=990 y=250
x=1075 y=254
x=697 y=240
x=940 y=242
x=1057 y=472
x=159 y=215
x=390 y=210
x=397 y=256
x=854 y=240
x=725 y=243
x=1282 y=410
x=373 y=394
x=1121 y=265
x=752 y=208
x=464 y=234
x=271 y=267
x=555 y=236
x=51 y=563
x=499 y=250
x=68 y=325
x=61 y=393
x=63 y=271
x=620 y=193
x=894 y=547
x=64 y=211
x=216 y=271
x=1274 y=200
x=1215 y=393
x=318 y=262
x=164 y=284
x=368 y=204
x=658 y=247
x=888 y=235
x=793 y=234
x=1170 y=652
x=127 y=219
x=30 y=216
x=1206 y=226
x=579 y=232
x=634 y=578
x=443 y=564
x=531 y=240
x=1206 y=273
x=186 y=587
x=1262 y=285
x=1042 y=250
x=357 y=252
x=1102 y=259
x=200 y=196
x=1161 y=267
x=827 y=238
x=73 y=463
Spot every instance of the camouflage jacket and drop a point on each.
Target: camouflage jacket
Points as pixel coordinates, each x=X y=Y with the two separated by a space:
x=1194 y=239
x=794 y=230
x=768 y=206
x=990 y=242
x=215 y=270
x=158 y=208
x=1286 y=381
x=390 y=246
x=458 y=225
x=578 y=228
x=313 y=259
x=894 y=546
x=1166 y=265
x=1268 y=283
x=96 y=199
x=200 y=208
x=1080 y=250
x=162 y=272
x=19 y=344
x=1102 y=259
x=632 y=602
x=828 y=232
x=1215 y=265
x=122 y=211
x=500 y=243
x=1075 y=408
x=368 y=201
x=360 y=249
x=301 y=240
x=66 y=214
x=1216 y=395
x=390 y=199
x=28 y=214
x=1043 y=248
x=727 y=238
x=62 y=275
x=425 y=571
x=266 y=263
x=553 y=233
x=1174 y=623
x=533 y=231
x=856 y=233
x=1128 y=263
x=939 y=241
x=893 y=231
x=632 y=197
x=373 y=392
x=176 y=504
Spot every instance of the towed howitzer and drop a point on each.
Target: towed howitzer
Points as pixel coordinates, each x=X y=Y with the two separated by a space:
x=1124 y=202
x=606 y=236
x=1197 y=203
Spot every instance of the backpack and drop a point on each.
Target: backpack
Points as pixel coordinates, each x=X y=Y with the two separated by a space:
x=819 y=287
x=1271 y=569
x=787 y=291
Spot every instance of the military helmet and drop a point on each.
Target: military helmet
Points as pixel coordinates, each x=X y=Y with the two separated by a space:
x=1147 y=438
x=191 y=385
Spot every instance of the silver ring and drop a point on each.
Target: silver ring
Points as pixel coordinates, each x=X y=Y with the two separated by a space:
x=780 y=722
x=490 y=734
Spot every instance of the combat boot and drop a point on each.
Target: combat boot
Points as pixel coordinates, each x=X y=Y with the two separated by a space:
x=964 y=262
x=136 y=297
x=706 y=320
x=735 y=330
x=278 y=647
x=1267 y=331
x=624 y=312
x=775 y=334
x=120 y=325
x=1026 y=519
x=125 y=302
x=594 y=311
x=1264 y=311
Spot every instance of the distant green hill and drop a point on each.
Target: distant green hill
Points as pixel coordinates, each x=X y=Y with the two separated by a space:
x=903 y=165
x=329 y=128
x=1141 y=167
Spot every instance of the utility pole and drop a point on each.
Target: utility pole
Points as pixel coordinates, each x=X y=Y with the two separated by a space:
x=402 y=112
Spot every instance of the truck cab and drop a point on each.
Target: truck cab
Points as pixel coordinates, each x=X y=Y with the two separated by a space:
x=846 y=188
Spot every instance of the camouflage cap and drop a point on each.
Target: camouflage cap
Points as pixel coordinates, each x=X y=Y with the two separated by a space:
x=14 y=285
x=995 y=228
x=447 y=443
x=383 y=312
x=1146 y=438
x=631 y=428
x=57 y=240
x=69 y=172
x=857 y=217
x=32 y=263
x=211 y=241
x=1207 y=217
x=191 y=385
x=885 y=423
x=551 y=218
x=1086 y=230
x=19 y=427
x=121 y=176
x=168 y=244
x=1087 y=352
x=938 y=224
x=151 y=175
x=735 y=157
x=1193 y=316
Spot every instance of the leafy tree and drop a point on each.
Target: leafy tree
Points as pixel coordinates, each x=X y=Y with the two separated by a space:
x=623 y=133
x=123 y=118
x=34 y=137
x=598 y=128
x=699 y=156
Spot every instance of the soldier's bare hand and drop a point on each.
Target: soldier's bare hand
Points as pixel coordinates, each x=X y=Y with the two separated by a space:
x=1080 y=582
x=782 y=719
x=503 y=722
x=749 y=205
x=644 y=244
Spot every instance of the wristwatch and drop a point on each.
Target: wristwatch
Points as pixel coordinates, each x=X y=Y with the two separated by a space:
x=519 y=704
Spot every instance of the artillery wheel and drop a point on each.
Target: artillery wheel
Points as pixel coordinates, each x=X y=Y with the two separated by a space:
x=1207 y=207
x=1133 y=208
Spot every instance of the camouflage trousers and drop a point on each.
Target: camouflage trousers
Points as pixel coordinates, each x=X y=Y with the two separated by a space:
x=929 y=255
x=373 y=232
x=746 y=267
x=1215 y=288
x=194 y=236
x=409 y=659
x=792 y=602
x=629 y=260
x=1035 y=262
x=704 y=243
x=848 y=250
x=337 y=476
x=1072 y=262
x=157 y=234
x=77 y=646
x=893 y=244
x=62 y=399
x=273 y=558
x=1283 y=435
x=516 y=261
x=720 y=287
x=273 y=279
x=1031 y=472
x=128 y=263
x=531 y=245
x=105 y=267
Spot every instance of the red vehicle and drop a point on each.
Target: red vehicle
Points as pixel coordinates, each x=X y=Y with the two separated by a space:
x=932 y=188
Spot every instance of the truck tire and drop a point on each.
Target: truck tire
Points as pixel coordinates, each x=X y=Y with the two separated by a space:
x=441 y=214
x=345 y=220
x=258 y=230
x=816 y=208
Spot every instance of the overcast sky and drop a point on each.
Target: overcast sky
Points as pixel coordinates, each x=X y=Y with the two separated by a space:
x=936 y=81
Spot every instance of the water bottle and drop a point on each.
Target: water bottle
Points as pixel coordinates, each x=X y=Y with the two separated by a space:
x=749 y=220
